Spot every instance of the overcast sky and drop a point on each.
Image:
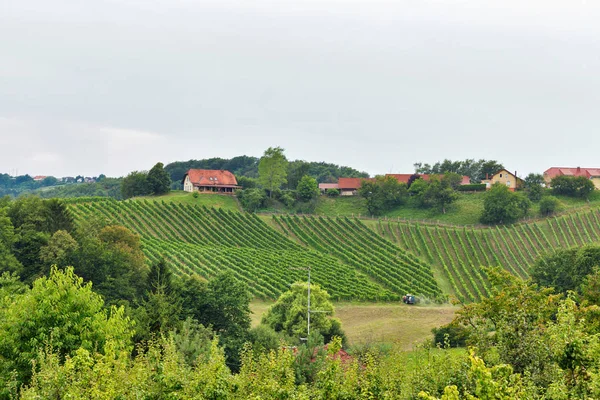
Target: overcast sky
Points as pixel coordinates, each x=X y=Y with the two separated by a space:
x=110 y=86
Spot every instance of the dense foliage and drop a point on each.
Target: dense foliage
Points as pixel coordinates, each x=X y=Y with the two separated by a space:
x=272 y=169
x=576 y=186
x=475 y=170
x=383 y=194
x=501 y=206
x=246 y=166
x=155 y=182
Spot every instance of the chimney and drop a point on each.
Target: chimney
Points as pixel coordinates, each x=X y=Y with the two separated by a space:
x=578 y=169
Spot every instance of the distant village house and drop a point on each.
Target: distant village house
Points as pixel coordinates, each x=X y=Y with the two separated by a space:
x=592 y=174
x=209 y=181
x=350 y=186
x=504 y=177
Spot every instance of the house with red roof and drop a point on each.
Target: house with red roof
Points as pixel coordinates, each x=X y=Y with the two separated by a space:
x=209 y=181
x=349 y=186
x=592 y=174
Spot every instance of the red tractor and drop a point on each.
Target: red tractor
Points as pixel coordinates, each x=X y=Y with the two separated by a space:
x=409 y=299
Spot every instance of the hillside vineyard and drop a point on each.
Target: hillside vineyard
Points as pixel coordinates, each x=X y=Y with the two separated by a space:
x=205 y=241
x=459 y=252
x=350 y=259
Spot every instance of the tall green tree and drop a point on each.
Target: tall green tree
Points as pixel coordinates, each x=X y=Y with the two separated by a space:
x=533 y=185
x=158 y=180
x=296 y=170
x=225 y=306
x=135 y=184
x=439 y=193
x=308 y=188
x=289 y=314
x=272 y=169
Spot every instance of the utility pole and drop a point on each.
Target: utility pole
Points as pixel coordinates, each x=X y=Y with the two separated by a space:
x=308 y=310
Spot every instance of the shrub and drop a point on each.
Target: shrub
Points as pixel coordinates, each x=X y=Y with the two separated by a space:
x=549 y=205
x=453 y=335
x=332 y=192
x=473 y=187
x=501 y=206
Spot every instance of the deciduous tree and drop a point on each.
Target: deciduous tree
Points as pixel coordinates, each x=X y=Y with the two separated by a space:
x=272 y=169
x=308 y=188
x=501 y=206
x=158 y=180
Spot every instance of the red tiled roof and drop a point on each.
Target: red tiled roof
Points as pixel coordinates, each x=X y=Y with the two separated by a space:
x=325 y=186
x=557 y=171
x=211 y=177
x=351 y=183
x=403 y=178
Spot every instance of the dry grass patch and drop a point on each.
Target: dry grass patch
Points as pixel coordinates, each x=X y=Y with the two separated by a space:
x=383 y=322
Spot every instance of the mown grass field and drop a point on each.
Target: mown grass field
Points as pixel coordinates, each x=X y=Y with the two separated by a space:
x=395 y=323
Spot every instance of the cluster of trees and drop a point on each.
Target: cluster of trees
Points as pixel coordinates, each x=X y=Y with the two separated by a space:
x=248 y=167
x=385 y=193
x=50 y=186
x=543 y=333
x=279 y=182
x=154 y=182
x=526 y=341
x=574 y=186
x=475 y=170
x=68 y=290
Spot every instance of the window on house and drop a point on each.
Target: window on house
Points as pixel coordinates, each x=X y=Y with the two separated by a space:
x=500 y=175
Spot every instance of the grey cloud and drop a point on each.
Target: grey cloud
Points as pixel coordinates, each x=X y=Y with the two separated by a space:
x=373 y=84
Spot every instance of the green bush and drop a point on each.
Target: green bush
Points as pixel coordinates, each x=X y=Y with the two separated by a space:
x=332 y=192
x=452 y=334
x=549 y=205
x=473 y=187
x=576 y=186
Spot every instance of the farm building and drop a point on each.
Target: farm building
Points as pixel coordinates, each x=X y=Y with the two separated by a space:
x=592 y=174
x=404 y=178
x=504 y=177
x=323 y=187
x=349 y=186
x=209 y=181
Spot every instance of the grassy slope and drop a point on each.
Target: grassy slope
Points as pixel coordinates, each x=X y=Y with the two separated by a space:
x=384 y=322
x=465 y=211
x=203 y=199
